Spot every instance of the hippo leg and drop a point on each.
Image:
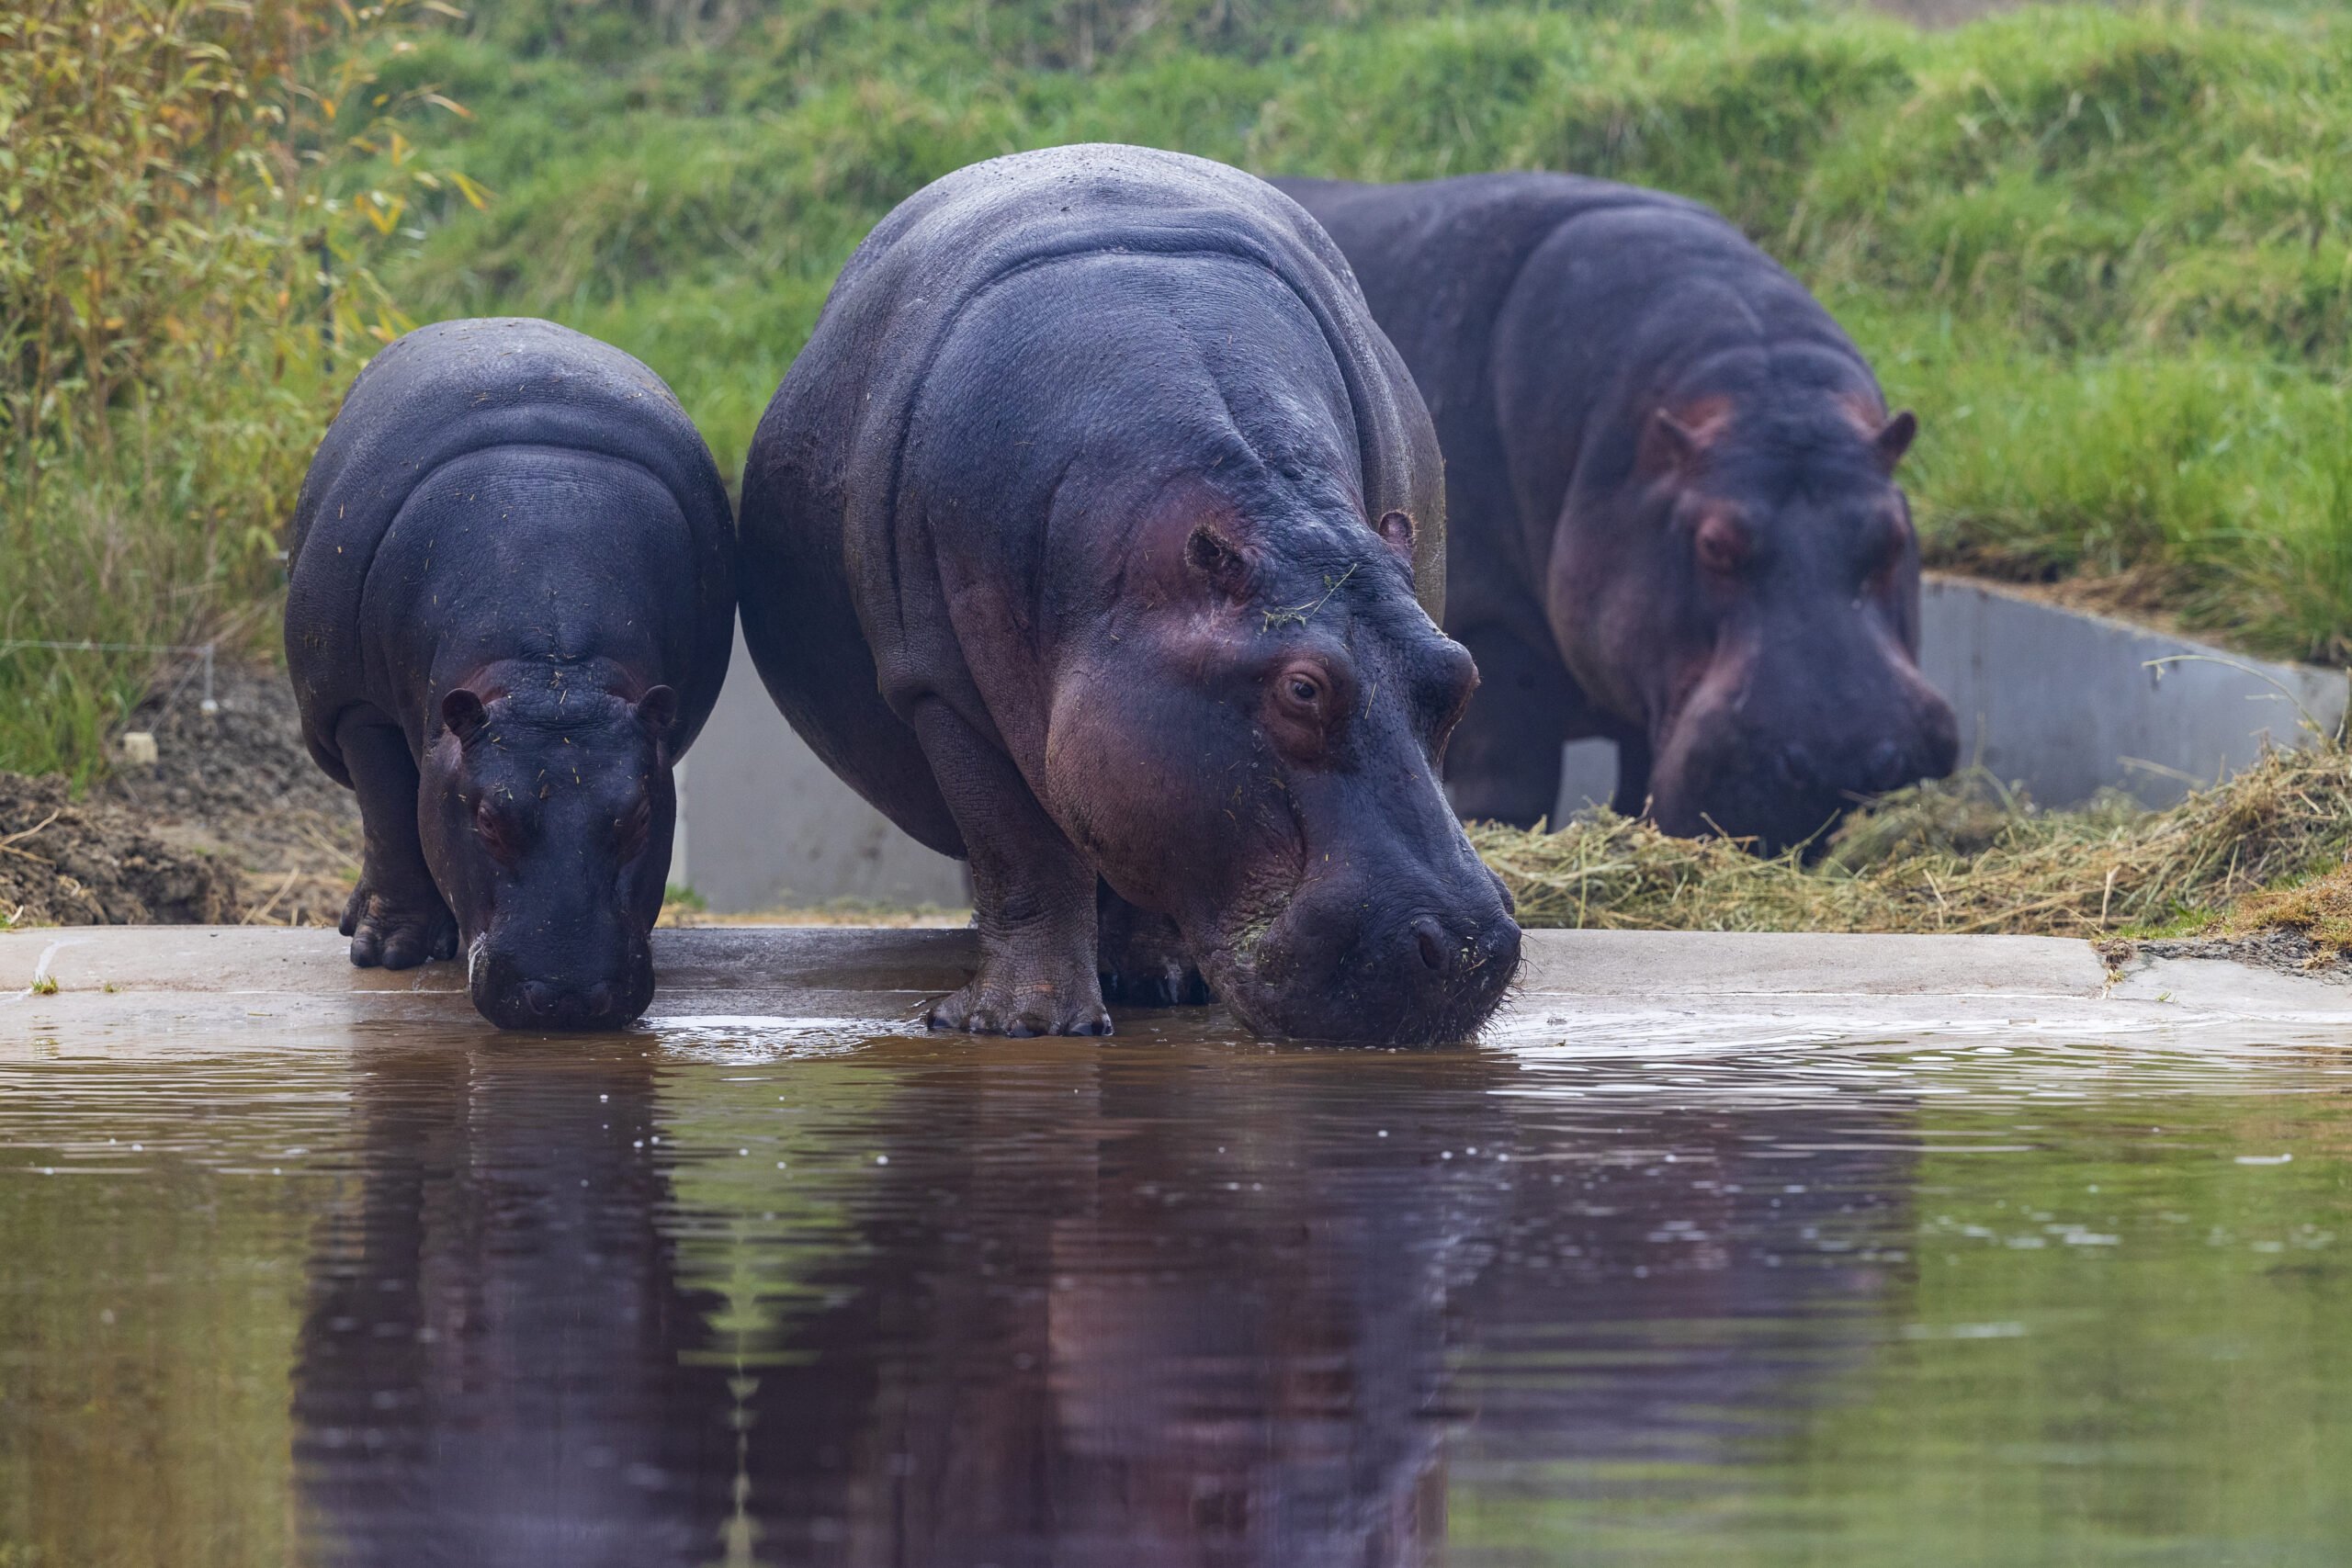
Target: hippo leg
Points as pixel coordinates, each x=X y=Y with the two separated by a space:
x=1632 y=797
x=1032 y=894
x=1504 y=762
x=396 y=917
x=1141 y=958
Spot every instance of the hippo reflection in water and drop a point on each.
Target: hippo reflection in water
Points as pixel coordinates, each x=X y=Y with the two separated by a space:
x=1670 y=489
x=1095 y=538
x=1196 y=1313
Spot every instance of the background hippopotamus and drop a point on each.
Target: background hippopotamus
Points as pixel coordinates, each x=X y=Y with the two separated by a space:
x=1083 y=540
x=1670 y=486
x=511 y=610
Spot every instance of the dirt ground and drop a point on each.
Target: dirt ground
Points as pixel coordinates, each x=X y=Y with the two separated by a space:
x=232 y=823
x=68 y=863
x=2288 y=952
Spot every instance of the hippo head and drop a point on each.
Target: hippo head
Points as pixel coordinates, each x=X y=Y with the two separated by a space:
x=1786 y=685
x=1250 y=746
x=547 y=818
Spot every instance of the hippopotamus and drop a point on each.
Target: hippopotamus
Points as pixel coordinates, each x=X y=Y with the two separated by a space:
x=511 y=607
x=1097 y=537
x=1671 y=496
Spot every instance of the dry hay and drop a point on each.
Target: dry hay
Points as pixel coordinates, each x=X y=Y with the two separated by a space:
x=1959 y=856
x=2318 y=910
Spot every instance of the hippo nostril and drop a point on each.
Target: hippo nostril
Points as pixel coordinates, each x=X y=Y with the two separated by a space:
x=1430 y=939
x=603 y=1001
x=1885 y=769
x=542 y=1000
x=1501 y=947
x=1794 y=764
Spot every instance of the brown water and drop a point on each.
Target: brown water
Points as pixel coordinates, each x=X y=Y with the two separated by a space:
x=710 y=1296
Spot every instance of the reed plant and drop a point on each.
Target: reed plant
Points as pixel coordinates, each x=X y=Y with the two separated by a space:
x=185 y=278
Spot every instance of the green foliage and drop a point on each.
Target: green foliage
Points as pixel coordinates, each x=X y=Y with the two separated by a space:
x=186 y=269
x=2104 y=250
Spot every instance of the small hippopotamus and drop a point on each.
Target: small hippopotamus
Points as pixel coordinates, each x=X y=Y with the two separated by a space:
x=1670 y=490
x=511 y=607
x=1084 y=540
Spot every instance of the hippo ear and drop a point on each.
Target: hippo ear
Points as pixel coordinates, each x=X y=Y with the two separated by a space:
x=1399 y=530
x=462 y=712
x=1218 y=560
x=658 y=711
x=1894 y=438
x=1671 y=445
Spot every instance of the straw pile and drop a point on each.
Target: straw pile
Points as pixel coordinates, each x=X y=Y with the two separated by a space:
x=1966 y=855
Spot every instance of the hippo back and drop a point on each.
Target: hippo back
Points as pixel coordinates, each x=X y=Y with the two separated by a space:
x=865 y=614
x=902 y=293
x=454 y=389
x=1662 y=281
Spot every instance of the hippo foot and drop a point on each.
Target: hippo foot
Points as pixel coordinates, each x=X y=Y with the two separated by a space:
x=1031 y=1004
x=395 y=932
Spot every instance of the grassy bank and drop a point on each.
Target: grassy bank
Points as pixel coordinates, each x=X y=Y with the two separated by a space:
x=2103 y=251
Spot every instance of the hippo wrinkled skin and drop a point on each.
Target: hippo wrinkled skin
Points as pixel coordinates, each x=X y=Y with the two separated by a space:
x=1083 y=539
x=510 y=608
x=1670 y=485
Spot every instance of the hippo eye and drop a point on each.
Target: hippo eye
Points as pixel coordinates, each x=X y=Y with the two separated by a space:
x=1302 y=691
x=1307 y=703
x=493 y=830
x=1893 y=538
x=629 y=829
x=1722 y=543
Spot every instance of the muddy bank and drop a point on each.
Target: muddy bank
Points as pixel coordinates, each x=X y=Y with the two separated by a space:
x=236 y=785
x=2277 y=948
x=68 y=863
x=232 y=822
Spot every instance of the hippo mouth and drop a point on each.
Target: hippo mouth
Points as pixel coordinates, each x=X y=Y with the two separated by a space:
x=1279 y=969
x=514 y=994
x=1778 y=796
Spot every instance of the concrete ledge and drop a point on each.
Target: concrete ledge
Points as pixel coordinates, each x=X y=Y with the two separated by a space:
x=1688 y=965
x=151 y=986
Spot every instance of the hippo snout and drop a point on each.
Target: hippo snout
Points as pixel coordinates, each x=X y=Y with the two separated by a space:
x=1455 y=965
x=567 y=1007
x=513 y=995
x=1782 y=773
x=1342 y=965
x=1887 y=764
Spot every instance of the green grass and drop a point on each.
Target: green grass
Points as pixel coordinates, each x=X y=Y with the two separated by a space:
x=2103 y=251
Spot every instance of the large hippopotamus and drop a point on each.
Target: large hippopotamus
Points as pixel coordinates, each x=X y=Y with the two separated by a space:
x=1670 y=487
x=511 y=610
x=1083 y=539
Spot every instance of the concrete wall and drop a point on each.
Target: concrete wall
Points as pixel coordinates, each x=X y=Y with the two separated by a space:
x=764 y=824
x=2065 y=703
x=2069 y=704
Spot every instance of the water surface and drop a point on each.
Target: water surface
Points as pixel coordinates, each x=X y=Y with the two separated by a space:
x=731 y=1294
